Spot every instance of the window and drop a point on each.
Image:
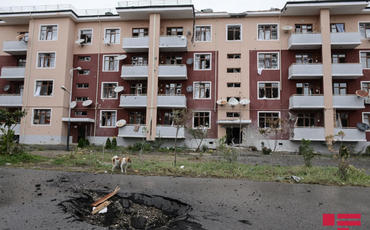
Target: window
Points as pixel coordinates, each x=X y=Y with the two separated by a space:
x=80 y=113
x=175 y=31
x=234 y=56
x=110 y=63
x=139 y=60
x=86 y=35
x=338 y=58
x=138 y=89
x=112 y=36
x=168 y=118
x=139 y=32
x=82 y=85
x=84 y=58
x=46 y=60
x=233 y=84
x=201 y=120
x=21 y=62
x=340 y=88
x=203 y=33
x=234 y=32
x=233 y=70
x=268 y=32
x=41 y=116
x=268 y=61
x=84 y=72
x=49 y=33
x=365 y=59
x=173 y=89
x=366 y=118
x=232 y=114
x=304 y=89
x=228 y=98
x=108 y=90
x=44 y=88
x=365 y=30
x=269 y=120
x=82 y=99
x=202 y=90
x=341 y=120
x=173 y=60
x=108 y=119
x=268 y=90
x=337 y=27
x=303 y=28
x=365 y=85
x=306 y=120
x=202 y=62
x=136 y=118
x=303 y=58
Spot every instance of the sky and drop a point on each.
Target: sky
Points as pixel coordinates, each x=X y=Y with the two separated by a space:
x=233 y=6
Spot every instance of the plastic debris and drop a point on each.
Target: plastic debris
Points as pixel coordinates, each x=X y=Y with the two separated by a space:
x=182 y=167
x=296 y=178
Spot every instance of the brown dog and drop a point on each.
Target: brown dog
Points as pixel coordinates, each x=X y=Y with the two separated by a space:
x=120 y=162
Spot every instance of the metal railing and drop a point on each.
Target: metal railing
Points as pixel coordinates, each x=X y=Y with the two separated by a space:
x=134 y=3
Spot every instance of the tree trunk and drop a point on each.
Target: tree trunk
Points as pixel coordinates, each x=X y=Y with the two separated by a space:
x=177 y=132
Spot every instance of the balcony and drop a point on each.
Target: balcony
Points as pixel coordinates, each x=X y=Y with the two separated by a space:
x=347 y=71
x=10 y=100
x=304 y=41
x=350 y=134
x=16 y=129
x=139 y=131
x=163 y=101
x=166 y=43
x=348 y=102
x=346 y=40
x=12 y=73
x=306 y=102
x=305 y=71
x=308 y=133
x=165 y=72
x=15 y=47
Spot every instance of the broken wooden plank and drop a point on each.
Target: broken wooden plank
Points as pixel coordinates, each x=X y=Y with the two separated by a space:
x=101 y=207
x=101 y=200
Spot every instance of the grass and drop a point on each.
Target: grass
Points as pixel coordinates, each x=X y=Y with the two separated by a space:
x=20 y=158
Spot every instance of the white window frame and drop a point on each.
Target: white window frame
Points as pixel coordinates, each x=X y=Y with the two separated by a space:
x=49 y=52
x=363 y=120
x=272 y=23
x=92 y=35
x=264 y=98
x=82 y=84
x=241 y=32
x=363 y=82
x=359 y=56
x=195 y=29
x=258 y=117
x=112 y=55
x=210 y=63
x=41 y=25
x=358 y=29
x=113 y=28
x=210 y=90
x=273 y=52
x=33 y=114
x=101 y=119
x=102 y=88
x=210 y=119
x=35 y=85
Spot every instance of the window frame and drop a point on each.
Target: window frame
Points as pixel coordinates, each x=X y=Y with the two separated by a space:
x=232 y=84
x=101 y=119
x=195 y=33
x=273 y=52
x=227 y=32
x=119 y=37
x=363 y=120
x=102 y=91
x=175 y=27
x=84 y=84
x=210 y=62
x=92 y=35
x=363 y=22
x=210 y=90
x=266 y=24
x=52 y=90
x=33 y=115
x=364 y=51
x=258 y=118
x=110 y=55
x=45 y=40
x=233 y=56
x=146 y=32
x=265 y=98
x=210 y=119
x=46 y=52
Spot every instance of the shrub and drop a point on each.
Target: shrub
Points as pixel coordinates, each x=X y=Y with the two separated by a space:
x=114 y=143
x=265 y=150
x=108 y=144
x=307 y=152
x=253 y=148
x=204 y=148
x=82 y=143
x=228 y=153
x=343 y=166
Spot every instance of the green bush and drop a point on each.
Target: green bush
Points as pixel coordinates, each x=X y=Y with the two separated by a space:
x=228 y=153
x=265 y=150
x=114 y=143
x=204 y=148
x=82 y=143
x=108 y=144
x=343 y=166
x=253 y=148
x=138 y=146
x=307 y=152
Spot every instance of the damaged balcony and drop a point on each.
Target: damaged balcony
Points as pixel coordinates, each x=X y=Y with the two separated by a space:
x=163 y=101
x=15 y=47
x=347 y=70
x=345 y=40
x=162 y=131
x=348 y=102
x=350 y=134
x=304 y=41
x=165 y=72
x=166 y=43
x=306 y=102
x=10 y=100
x=13 y=73
x=308 y=133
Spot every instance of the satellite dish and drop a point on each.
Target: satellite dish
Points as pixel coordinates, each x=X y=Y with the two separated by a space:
x=121 y=123
x=6 y=88
x=362 y=127
x=221 y=102
x=121 y=57
x=189 y=89
x=245 y=102
x=287 y=28
x=119 y=89
x=189 y=61
x=87 y=103
x=233 y=101
x=73 y=104
x=80 y=41
x=362 y=93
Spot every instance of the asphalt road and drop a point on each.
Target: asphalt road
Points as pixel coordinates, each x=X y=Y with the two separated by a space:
x=217 y=203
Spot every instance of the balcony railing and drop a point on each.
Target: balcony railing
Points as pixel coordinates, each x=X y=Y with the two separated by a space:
x=10 y=100
x=305 y=41
x=165 y=72
x=139 y=3
x=348 y=102
x=305 y=71
x=350 y=134
x=347 y=71
x=12 y=73
x=15 y=47
x=308 y=133
x=306 y=102
x=345 y=40
x=166 y=43
x=133 y=101
x=162 y=131
x=134 y=72
x=169 y=132
x=163 y=101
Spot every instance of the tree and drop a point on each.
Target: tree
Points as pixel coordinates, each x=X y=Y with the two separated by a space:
x=277 y=129
x=199 y=134
x=179 y=119
x=8 y=121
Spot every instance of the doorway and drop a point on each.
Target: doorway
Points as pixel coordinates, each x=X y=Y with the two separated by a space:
x=233 y=135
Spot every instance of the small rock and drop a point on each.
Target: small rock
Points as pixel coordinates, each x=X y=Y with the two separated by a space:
x=39 y=194
x=126 y=203
x=50 y=180
x=138 y=222
x=38 y=185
